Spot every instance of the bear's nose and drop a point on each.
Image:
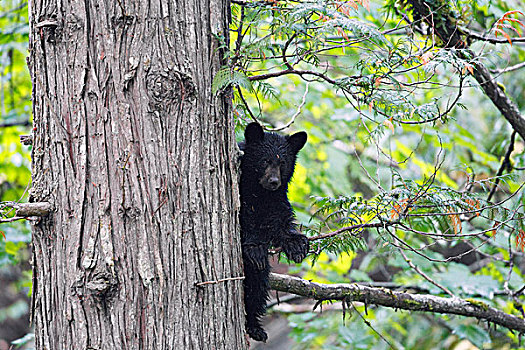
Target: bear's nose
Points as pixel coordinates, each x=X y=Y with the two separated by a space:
x=274 y=181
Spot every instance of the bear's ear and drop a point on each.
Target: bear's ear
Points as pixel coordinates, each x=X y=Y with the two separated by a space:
x=253 y=133
x=297 y=141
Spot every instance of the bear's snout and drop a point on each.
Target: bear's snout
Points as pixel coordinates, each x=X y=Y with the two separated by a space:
x=271 y=180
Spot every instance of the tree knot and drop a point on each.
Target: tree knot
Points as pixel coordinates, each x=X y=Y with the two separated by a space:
x=169 y=88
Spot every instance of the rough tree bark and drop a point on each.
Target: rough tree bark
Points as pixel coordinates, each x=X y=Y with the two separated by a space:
x=138 y=161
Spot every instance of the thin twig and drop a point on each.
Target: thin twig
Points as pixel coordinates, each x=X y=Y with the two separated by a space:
x=292 y=120
x=14 y=218
x=199 y=284
x=424 y=275
x=346 y=229
x=246 y=104
x=367 y=323
x=505 y=164
x=509 y=69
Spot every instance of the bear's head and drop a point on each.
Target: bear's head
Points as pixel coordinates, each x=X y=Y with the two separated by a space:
x=270 y=157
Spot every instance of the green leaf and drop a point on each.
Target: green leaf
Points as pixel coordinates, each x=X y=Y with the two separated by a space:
x=475 y=334
x=11 y=248
x=226 y=77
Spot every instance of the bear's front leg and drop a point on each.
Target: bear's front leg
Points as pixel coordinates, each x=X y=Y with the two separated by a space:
x=295 y=245
x=256 y=254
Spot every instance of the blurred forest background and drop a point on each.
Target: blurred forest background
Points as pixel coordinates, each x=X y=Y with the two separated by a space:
x=15 y=172
x=411 y=178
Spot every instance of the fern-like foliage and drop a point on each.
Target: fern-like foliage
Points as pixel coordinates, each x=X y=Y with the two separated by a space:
x=427 y=210
x=227 y=77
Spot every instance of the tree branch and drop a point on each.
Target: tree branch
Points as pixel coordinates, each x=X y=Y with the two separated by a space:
x=10 y=123
x=396 y=300
x=347 y=229
x=509 y=69
x=24 y=210
x=26 y=139
x=492 y=40
x=292 y=71
x=33 y=209
x=508 y=109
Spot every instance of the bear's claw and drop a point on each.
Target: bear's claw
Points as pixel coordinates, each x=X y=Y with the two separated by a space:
x=257 y=333
x=296 y=247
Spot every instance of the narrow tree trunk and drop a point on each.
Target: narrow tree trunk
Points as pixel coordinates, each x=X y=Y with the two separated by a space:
x=139 y=160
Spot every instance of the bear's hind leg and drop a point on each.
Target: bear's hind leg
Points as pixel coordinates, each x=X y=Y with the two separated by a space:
x=256 y=287
x=256 y=254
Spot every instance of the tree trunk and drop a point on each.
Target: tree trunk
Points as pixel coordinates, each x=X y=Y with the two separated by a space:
x=139 y=160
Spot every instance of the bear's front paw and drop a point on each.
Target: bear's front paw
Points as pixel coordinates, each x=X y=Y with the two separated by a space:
x=257 y=333
x=256 y=254
x=296 y=247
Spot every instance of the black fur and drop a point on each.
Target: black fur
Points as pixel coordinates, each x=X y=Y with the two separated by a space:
x=267 y=218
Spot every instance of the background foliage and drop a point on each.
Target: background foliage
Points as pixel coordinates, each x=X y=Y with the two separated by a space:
x=15 y=109
x=15 y=174
x=400 y=134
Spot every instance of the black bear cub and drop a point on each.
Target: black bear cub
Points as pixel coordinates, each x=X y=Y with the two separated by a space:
x=267 y=218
